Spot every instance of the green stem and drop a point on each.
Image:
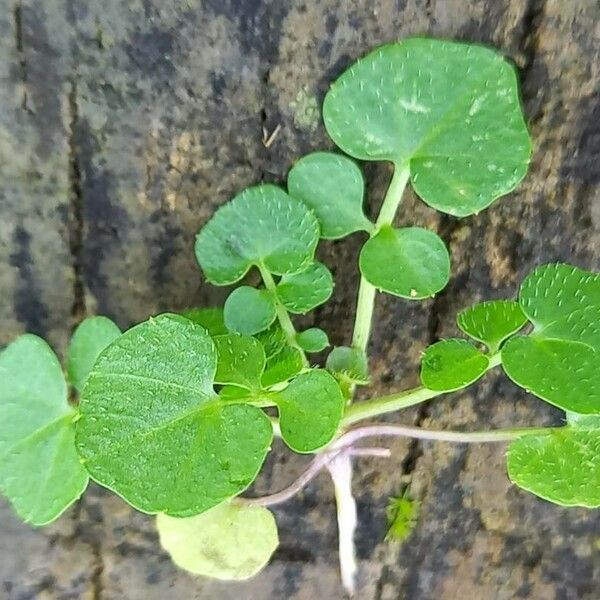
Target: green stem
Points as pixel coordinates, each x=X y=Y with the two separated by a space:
x=282 y=315
x=386 y=404
x=397 y=401
x=366 y=292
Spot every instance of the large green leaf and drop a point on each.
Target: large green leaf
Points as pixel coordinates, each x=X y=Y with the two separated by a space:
x=562 y=466
x=332 y=185
x=230 y=541
x=449 y=110
x=248 y=310
x=262 y=225
x=40 y=471
x=310 y=410
x=153 y=430
x=410 y=262
x=492 y=322
x=90 y=338
x=303 y=291
x=560 y=360
x=566 y=374
x=241 y=361
x=563 y=302
x=451 y=365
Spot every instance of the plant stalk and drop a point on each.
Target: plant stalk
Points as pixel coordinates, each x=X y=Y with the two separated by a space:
x=282 y=315
x=366 y=292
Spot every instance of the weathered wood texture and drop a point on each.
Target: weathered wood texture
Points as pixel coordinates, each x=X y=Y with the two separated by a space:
x=123 y=125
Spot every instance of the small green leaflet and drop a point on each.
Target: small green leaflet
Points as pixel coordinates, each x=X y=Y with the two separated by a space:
x=559 y=361
x=303 y=291
x=451 y=365
x=283 y=361
x=261 y=225
x=40 y=471
x=212 y=319
x=402 y=514
x=231 y=541
x=241 y=361
x=562 y=466
x=313 y=340
x=492 y=322
x=350 y=364
x=282 y=366
x=332 y=186
x=90 y=338
x=249 y=311
x=153 y=430
x=410 y=262
x=310 y=410
x=449 y=110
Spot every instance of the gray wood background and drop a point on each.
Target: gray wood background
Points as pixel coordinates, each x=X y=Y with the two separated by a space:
x=123 y=125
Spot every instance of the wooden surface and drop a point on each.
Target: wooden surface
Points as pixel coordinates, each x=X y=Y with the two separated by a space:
x=123 y=125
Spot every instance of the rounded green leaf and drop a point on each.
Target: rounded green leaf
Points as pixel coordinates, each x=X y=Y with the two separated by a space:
x=564 y=373
x=410 y=262
x=153 y=430
x=492 y=322
x=40 y=471
x=313 y=340
x=562 y=466
x=349 y=363
x=332 y=186
x=90 y=338
x=232 y=541
x=249 y=311
x=449 y=110
x=262 y=225
x=303 y=291
x=310 y=410
x=452 y=365
x=563 y=302
x=241 y=361
x=211 y=319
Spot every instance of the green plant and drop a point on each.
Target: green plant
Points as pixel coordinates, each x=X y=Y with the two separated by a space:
x=177 y=414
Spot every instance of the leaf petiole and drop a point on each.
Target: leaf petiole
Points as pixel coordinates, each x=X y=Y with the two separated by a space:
x=366 y=291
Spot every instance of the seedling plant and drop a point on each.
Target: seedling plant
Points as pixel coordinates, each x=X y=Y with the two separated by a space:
x=177 y=414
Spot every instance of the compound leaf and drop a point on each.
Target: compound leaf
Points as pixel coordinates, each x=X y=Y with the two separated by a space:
x=563 y=373
x=449 y=110
x=492 y=322
x=310 y=410
x=248 y=310
x=332 y=186
x=562 y=466
x=451 y=365
x=350 y=364
x=153 y=430
x=90 y=338
x=241 y=361
x=261 y=225
x=313 y=340
x=303 y=291
x=410 y=262
x=212 y=319
x=231 y=541
x=40 y=471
